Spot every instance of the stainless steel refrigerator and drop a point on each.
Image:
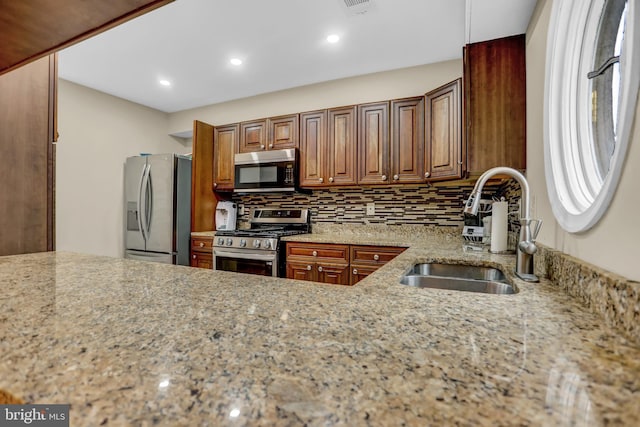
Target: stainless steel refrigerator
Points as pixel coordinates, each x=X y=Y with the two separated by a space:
x=157 y=192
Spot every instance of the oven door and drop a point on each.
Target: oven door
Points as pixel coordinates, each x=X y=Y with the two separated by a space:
x=246 y=261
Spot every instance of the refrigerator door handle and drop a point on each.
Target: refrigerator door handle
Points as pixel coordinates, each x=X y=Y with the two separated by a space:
x=149 y=203
x=140 y=208
x=143 y=205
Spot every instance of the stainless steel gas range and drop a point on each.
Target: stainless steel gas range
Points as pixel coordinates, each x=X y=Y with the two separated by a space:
x=259 y=250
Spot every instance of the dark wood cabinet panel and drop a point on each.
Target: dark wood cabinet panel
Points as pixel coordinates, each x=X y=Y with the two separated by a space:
x=202 y=252
x=32 y=30
x=283 y=132
x=335 y=274
x=253 y=136
x=203 y=201
x=313 y=140
x=301 y=271
x=27 y=123
x=342 y=146
x=443 y=120
x=314 y=251
x=373 y=143
x=225 y=141
x=407 y=141
x=359 y=272
x=367 y=259
x=495 y=104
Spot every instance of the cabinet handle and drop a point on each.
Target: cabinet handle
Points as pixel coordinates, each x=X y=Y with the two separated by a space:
x=202 y=244
x=320 y=269
x=308 y=268
x=460 y=162
x=314 y=253
x=330 y=179
x=396 y=177
x=321 y=179
x=193 y=256
x=271 y=145
x=215 y=184
x=262 y=146
x=384 y=177
x=355 y=271
x=376 y=257
x=426 y=174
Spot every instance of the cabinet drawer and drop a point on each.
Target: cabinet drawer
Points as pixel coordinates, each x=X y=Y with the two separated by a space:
x=374 y=255
x=315 y=251
x=202 y=244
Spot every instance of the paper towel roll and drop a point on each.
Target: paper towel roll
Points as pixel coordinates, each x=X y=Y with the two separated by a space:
x=499 y=226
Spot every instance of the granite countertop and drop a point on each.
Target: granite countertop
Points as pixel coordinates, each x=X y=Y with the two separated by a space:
x=135 y=343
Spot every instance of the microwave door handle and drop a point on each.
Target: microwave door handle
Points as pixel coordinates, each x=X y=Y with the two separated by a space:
x=240 y=255
x=140 y=210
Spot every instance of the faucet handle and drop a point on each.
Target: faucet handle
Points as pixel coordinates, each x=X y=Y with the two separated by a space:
x=536 y=230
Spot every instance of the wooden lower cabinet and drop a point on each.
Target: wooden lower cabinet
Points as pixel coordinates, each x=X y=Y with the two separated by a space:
x=367 y=259
x=202 y=252
x=336 y=264
x=318 y=262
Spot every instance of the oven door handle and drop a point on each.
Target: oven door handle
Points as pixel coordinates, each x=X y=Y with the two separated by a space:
x=241 y=255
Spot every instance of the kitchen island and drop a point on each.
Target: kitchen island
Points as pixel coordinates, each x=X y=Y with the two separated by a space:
x=135 y=343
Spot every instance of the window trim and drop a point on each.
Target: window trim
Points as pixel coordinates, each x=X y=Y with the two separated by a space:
x=579 y=197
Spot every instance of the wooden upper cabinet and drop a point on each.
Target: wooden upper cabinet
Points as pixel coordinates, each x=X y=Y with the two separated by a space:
x=283 y=132
x=407 y=141
x=443 y=122
x=203 y=202
x=34 y=29
x=373 y=143
x=341 y=147
x=495 y=104
x=253 y=136
x=225 y=141
x=313 y=139
x=274 y=133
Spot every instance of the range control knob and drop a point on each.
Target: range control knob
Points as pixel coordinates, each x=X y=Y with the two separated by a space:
x=266 y=244
x=256 y=243
x=243 y=243
x=221 y=241
x=229 y=241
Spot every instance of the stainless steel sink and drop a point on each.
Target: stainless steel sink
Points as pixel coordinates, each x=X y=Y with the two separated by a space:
x=458 y=277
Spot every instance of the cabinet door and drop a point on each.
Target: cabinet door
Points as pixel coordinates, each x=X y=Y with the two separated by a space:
x=342 y=146
x=253 y=136
x=407 y=141
x=443 y=155
x=359 y=272
x=495 y=104
x=225 y=142
x=373 y=143
x=283 y=132
x=335 y=274
x=201 y=260
x=301 y=271
x=313 y=137
x=203 y=202
x=27 y=128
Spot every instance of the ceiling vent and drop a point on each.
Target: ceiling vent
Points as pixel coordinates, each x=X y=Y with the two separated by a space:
x=357 y=7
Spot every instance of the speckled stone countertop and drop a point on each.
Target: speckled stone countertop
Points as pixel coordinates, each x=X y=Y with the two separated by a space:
x=135 y=343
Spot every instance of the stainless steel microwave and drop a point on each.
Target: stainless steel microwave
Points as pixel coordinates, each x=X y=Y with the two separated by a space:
x=266 y=171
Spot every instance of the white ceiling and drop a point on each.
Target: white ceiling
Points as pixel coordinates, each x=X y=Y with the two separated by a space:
x=282 y=43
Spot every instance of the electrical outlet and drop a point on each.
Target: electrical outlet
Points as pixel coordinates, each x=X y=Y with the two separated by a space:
x=371 y=209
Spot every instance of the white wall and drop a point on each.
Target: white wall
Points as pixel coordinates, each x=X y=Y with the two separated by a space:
x=401 y=83
x=97 y=132
x=613 y=243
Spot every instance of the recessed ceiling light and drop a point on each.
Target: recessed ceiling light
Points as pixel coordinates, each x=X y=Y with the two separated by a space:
x=333 y=38
x=164 y=82
x=236 y=61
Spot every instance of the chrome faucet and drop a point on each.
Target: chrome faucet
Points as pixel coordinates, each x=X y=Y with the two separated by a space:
x=526 y=242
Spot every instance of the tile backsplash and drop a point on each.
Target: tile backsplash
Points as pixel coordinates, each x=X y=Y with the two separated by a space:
x=427 y=205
